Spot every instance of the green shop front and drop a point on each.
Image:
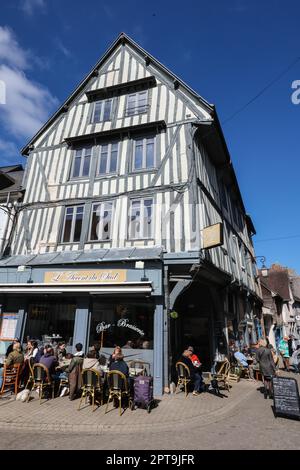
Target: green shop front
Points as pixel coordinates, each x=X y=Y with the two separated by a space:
x=98 y=298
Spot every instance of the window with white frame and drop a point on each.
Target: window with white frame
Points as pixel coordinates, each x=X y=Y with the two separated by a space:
x=144 y=153
x=81 y=162
x=72 y=224
x=141 y=218
x=108 y=158
x=102 y=111
x=101 y=221
x=137 y=103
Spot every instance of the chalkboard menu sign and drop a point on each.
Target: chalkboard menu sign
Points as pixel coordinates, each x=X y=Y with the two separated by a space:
x=286 y=397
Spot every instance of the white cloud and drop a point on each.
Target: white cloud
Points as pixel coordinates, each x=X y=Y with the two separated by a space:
x=28 y=104
x=30 y=6
x=10 y=51
x=62 y=48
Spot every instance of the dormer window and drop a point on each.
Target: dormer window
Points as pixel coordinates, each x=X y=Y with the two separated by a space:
x=137 y=103
x=102 y=111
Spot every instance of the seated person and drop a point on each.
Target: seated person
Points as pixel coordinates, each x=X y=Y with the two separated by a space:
x=194 y=358
x=61 y=351
x=14 y=357
x=116 y=351
x=72 y=373
x=295 y=360
x=91 y=362
x=31 y=349
x=194 y=372
x=77 y=359
x=49 y=360
x=39 y=354
x=119 y=364
x=241 y=358
x=10 y=347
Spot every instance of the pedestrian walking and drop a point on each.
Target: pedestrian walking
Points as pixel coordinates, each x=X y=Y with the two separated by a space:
x=267 y=366
x=284 y=352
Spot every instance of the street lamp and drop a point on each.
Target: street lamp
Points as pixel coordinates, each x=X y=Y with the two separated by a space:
x=264 y=269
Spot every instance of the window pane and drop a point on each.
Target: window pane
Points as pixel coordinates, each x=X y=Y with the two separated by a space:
x=113 y=158
x=86 y=166
x=78 y=224
x=131 y=104
x=135 y=224
x=147 y=218
x=76 y=168
x=97 y=111
x=150 y=153
x=142 y=101
x=68 y=224
x=107 y=110
x=138 y=155
x=107 y=222
x=103 y=159
x=95 y=223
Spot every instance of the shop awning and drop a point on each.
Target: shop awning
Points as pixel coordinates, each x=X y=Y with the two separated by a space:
x=85 y=256
x=101 y=288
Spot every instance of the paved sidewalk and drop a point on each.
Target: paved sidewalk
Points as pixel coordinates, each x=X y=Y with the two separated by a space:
x=61 y=414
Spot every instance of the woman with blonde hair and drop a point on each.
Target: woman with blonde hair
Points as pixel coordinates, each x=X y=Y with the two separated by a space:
x=266 y=362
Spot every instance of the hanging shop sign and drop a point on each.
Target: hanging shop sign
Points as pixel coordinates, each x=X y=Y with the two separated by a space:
x=212 y=236
x=8 y=326
x=93 y=276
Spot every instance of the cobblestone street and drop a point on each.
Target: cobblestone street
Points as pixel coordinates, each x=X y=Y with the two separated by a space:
x=244 y=420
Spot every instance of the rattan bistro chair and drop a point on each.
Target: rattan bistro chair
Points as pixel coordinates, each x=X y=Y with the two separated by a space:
x=184 y=376
x=41 y=380
x=139 y=367
x=11 y=375
x=118 y=388
x=244 y=371
x=222 y=374
x=91 y=380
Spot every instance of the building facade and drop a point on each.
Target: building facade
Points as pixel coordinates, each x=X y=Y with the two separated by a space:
x=11 y=195
x=133 y=229
x=285 y=289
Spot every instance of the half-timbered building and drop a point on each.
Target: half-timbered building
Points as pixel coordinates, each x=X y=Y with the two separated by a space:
x=133 y=229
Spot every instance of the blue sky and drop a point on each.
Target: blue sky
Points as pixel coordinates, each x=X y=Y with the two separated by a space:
x=228 y=51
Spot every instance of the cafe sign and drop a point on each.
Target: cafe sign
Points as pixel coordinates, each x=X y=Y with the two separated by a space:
x=92 y=276
x=212 y=236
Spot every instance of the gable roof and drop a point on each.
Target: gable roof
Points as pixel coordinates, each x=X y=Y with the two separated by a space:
x=278 y=281
x=121 y=39
x=11 y=178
